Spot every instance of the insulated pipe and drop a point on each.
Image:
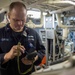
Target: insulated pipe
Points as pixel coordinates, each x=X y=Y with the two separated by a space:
x=65 y=33
x=65 y=28
x=2 y=10
x=58 y=16
x=63 y=9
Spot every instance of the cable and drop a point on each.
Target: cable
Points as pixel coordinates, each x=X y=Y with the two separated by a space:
x=19 y=64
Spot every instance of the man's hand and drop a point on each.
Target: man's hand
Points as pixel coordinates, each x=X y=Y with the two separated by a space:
x=13 y=52
x=29 y=62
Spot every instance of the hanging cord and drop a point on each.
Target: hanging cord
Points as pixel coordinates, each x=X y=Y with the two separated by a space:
x=19 y=44
x=57 y=42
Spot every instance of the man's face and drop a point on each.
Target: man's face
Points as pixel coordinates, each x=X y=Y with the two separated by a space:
x=17 y=18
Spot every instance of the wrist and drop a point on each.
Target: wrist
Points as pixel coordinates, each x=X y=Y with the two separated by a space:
x=7 y=57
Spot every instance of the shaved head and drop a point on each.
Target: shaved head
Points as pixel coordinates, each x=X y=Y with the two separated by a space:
x=16 y=4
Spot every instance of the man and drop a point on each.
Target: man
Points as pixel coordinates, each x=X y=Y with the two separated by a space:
x=17 y=41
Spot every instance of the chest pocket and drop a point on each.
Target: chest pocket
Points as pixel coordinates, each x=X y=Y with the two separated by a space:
x=28 y=44
x=5 y=44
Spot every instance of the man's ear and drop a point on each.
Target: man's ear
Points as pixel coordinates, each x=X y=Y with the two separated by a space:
x=8 y=15
x=25 y=18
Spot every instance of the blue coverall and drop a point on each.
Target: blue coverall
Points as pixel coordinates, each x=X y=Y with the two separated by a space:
x=8 y=38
